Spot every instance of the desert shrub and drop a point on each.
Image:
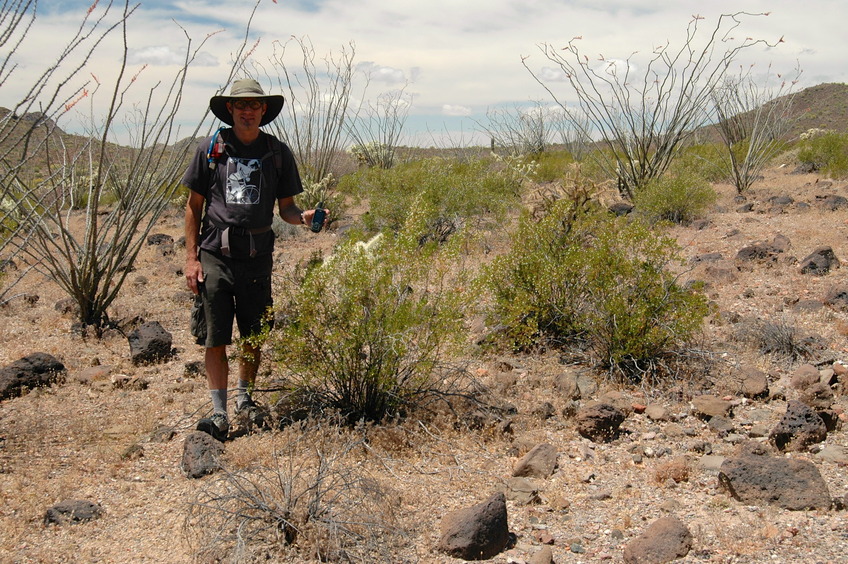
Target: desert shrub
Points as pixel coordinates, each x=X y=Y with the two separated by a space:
x=591 y=168
x=826 y=152
x=312 y=500
x=583 y=277
x=552 y=165
x=374 y=154
x=368 y=332
x=779 y=338
x=678 y=196
x=322 y=193
x=450 y=188
x=703 y=159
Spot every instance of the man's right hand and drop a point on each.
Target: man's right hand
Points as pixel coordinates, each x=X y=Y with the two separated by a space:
x=193 y=213
x=193 y=274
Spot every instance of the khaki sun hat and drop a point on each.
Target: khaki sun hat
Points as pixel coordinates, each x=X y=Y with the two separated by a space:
x=246 y=88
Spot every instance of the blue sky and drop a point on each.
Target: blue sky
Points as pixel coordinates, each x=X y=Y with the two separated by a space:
x=458 y=59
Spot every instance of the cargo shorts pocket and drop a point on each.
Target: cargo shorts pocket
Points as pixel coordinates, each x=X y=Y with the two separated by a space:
x=198 y=319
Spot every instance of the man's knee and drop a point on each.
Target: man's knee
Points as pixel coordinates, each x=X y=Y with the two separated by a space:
x=216 y=353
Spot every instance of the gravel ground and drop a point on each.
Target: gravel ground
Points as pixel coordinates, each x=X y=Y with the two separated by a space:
x=85 y=439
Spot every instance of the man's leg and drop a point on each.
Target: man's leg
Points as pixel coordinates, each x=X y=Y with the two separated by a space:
x=253 y=298
x=217 y=376
x=248 y=367
x=218 y=302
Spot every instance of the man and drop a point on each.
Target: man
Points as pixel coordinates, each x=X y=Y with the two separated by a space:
x=234 y=181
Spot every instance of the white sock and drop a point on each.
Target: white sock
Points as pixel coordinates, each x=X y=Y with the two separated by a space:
x=219 y=400
x=242 y=390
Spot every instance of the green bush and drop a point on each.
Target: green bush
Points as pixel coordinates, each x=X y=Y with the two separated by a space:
x=678 y=196
x=552 y=165
x=451 y=189
x=826 y=152
x=589 y=279
x=704 y=160
x=367 y=331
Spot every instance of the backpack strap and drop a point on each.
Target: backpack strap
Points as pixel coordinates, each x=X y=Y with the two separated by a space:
x=216 y=148
x=274 y=147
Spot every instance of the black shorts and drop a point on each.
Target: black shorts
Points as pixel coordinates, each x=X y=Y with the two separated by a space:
x=235 y=288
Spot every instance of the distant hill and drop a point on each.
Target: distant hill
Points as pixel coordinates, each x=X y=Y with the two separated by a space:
x=824 y=106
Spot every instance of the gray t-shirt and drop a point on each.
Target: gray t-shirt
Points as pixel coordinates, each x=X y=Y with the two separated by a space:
x=242 y=190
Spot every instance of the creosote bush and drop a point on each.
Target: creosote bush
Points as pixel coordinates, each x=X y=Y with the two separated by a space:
x=552 y=165
x=826 y=152
x=451 y=189
x=583 y=279
x=369 y=332
x=679 y=196
x=701 y=159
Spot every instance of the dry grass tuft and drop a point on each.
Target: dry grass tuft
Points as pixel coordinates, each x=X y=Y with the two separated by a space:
x=678 y=470
x=313 y=496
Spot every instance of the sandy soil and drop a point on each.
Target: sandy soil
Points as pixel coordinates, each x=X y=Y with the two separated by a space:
x=85 y=439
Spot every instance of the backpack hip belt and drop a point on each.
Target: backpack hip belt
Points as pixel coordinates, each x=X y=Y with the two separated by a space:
x=225 y=236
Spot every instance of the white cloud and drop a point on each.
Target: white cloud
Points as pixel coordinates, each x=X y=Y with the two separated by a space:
x=380 y=73
x=616 y=68
x=454 y=110
x=163 y=55
x=551 y=74
x=461 y=56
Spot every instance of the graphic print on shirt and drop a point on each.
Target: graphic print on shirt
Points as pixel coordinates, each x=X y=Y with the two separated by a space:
x=244 y=180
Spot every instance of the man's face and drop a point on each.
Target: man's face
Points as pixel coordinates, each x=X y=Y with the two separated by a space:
x=247 y=112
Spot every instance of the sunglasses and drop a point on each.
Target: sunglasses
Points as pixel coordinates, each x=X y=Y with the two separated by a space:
x=245 y=104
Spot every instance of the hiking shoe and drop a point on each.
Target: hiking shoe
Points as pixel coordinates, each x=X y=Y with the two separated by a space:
x=247 y=404
x=217 y=425
x=251 y=414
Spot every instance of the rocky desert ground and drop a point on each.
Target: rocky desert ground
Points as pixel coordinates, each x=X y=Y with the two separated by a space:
x=113 y=433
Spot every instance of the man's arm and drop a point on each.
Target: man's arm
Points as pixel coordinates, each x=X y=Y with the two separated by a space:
x=290 y=213
x=194 y=213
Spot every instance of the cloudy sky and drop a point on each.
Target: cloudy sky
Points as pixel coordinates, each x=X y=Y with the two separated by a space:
x=457 y=59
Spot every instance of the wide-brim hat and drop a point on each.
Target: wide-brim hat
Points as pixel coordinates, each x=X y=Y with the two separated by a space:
x=246 y=88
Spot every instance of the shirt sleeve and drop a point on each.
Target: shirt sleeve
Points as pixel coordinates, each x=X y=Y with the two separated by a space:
x=196 y=176
x=289 y=182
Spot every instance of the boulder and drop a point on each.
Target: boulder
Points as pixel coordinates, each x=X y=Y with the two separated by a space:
x=754 y=384
x=150 y=343
x=832 y=202
x=599 y=422
x=761 y=253
x=788 y=483
x=32 y=371
x=478 y=532
x=664 y=540
x=819 y=262
x=819 y=396
x=201 y=455
x=566 y=384
x=799 y=428
x=804 y=376
x=538 y=463
x=837 y=298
